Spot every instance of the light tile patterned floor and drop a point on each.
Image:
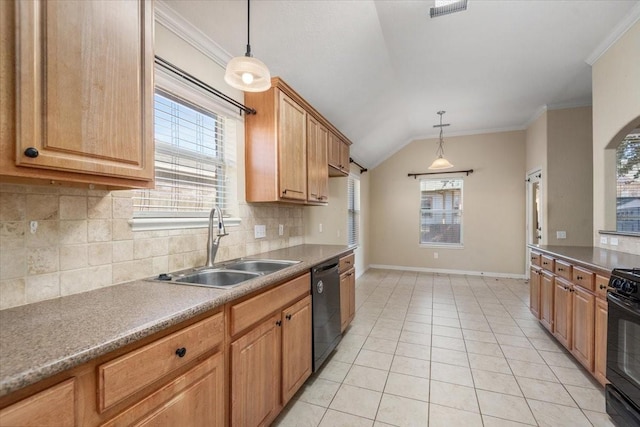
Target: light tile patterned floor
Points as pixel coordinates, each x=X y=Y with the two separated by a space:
x=446 y=350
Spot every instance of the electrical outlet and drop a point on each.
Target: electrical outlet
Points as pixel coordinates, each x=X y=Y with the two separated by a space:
x=260 y=231
x=603 y=240
x=33 y=227
x=614 y=241
x=280 y=230
x=435 y=255
x=561 y=234
x=320 y=228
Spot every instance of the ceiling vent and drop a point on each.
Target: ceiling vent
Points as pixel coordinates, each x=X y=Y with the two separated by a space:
x=445 y=7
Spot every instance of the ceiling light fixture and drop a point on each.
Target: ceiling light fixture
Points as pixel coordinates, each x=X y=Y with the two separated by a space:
x=247 y=73
x=445 y=7
x=440 y=162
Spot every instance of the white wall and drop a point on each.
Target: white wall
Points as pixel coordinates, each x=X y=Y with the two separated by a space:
x=493 y=200
x=616 y=111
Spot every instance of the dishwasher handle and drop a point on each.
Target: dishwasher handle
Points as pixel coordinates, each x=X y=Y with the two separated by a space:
x=324 y=269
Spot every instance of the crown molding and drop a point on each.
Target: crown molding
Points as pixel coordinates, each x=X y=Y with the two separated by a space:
x=177 y=24
x=623 y=26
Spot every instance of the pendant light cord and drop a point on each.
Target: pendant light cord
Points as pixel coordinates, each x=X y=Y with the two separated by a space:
x=248 y=28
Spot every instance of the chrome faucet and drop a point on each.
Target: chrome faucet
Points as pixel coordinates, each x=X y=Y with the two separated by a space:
x=214 y=243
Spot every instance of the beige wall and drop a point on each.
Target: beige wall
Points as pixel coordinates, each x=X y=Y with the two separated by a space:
x=569 y=194
x=616 y=111
x=493 y=200
x=536 y=159
x=84 y=240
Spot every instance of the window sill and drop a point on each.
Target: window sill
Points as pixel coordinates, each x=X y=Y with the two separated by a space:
x=619 y=233
x=152 y=224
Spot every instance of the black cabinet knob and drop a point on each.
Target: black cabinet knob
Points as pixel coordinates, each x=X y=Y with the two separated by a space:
x=288 y=316
x=31 y=152
x=603 y=287
x=181 y=352
x=278 y=322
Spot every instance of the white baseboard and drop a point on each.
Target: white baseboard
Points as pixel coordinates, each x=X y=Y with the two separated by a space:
x=447 y=271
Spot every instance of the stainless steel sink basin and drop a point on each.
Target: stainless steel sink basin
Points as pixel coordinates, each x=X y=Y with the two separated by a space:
x=264 y=266
x=226 y=275
x=216 y=278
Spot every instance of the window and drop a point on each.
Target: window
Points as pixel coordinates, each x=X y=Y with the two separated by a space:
x=194 y=159
x=628 y=184
x=441 y=212
x=353 y=217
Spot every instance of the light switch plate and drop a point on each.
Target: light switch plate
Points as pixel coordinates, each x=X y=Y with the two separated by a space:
x=603 y=240
x=614 y=241
x=260 y=231
x=561 y=234
x=280 y=229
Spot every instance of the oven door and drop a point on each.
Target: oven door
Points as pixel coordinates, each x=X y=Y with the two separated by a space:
x=623 y=346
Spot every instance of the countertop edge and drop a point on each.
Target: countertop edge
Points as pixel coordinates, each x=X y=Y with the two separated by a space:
x=564 y=253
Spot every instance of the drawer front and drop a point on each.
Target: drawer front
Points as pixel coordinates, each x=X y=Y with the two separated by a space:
x=54 y=407
x=347 y=262
x=602 y=283
x=548 y=263
x=535 y=259
x=584 y=278
x=248 y=312
x=563 y=269
x=133 y=371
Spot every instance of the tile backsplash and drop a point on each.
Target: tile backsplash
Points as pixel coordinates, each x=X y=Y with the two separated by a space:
x=84 y=241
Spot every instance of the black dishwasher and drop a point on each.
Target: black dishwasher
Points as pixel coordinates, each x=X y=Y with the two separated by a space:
x=325 y=291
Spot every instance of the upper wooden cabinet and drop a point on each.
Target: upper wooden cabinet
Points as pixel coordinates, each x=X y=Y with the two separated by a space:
x=288 y=148
x=338 y=156
x=317 y=167
x=77 y=105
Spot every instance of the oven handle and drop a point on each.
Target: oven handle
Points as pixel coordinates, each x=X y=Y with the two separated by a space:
x=624 y=303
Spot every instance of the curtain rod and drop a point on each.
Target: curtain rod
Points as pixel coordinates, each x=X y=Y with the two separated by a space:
x=415 y=175
x=202 y=85
x=362 y=169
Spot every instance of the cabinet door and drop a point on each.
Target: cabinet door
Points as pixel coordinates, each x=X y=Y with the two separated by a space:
x=334 y=151
x=583 y=326
x=255 y=375
x=292 y=153
x=322 y=164
x=86 y=95
x=547 y=300
x=317 y=167
x=352 y=296
x=344 y=157
x=54 y=407
x=600 y=344
x=296 y=347
x=344 y=301
x=194 y=399
x=562 y=322
x=534 y=292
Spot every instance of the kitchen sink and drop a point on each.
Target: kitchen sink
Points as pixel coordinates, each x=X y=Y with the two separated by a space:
x=227 y=275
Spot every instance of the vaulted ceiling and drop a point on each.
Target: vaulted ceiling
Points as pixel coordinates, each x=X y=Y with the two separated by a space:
x=381 y=69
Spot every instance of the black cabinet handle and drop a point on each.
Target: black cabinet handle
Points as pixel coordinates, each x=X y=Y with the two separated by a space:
x=603 y=287
x=560 y=269
x=279 y=322
x=288 y=316
x=579 y=277
x=181 y=352
x=31 y=152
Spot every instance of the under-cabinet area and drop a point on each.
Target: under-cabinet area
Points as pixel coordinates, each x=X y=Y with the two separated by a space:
x=237 y=363
x=570 y=301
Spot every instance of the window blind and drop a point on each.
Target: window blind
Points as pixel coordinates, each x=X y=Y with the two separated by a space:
x=441 y=211
x=353 y=224
x=194 y=158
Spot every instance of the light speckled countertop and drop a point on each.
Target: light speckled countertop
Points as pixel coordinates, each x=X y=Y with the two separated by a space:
x=42 y=339
x=598 y=259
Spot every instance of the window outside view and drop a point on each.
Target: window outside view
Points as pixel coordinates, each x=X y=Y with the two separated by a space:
x=441 y=211
x=628 y=184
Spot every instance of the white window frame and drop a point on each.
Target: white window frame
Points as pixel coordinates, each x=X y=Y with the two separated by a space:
x=442 y=245
x=355 y=213
x=147 y=221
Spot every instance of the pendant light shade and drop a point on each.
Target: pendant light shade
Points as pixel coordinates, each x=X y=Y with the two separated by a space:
x=247 y=73
x=440 y=162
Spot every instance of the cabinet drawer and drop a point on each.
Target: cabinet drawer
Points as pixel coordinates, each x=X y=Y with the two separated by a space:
x=548 y=263
x=347 y=262
x=248 y=312
x=535 y=259
x=133 y=371
x=602 y=283
x=584 y=278
x=53 y=407
x=563 y=269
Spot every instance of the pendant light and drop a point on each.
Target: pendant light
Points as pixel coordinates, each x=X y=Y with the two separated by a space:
x=247 y=73
x=440 y=162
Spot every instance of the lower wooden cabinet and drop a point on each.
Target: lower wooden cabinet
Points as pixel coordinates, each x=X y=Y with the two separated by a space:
x=547 y=293
x=563 y=315
x=296 y=347
x=195 y=399
x=600 y=341
x=534 y=291
x=53 y=407
x=583 y=304
x=347 y=298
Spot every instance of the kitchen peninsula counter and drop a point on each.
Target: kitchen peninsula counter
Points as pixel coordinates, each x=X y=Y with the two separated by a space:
x=600 y=260
x=42 y=339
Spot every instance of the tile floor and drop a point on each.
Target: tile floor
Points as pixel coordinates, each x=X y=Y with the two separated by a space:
x=446 y=350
